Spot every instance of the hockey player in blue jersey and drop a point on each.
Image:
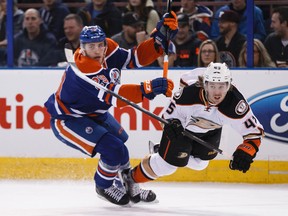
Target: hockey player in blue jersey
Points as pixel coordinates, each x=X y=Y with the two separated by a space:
x=79 y=110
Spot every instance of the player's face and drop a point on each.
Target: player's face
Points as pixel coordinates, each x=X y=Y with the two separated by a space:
x=96 y=51
x=216 y=92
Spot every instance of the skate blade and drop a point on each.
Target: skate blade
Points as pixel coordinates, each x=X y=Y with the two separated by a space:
x=148 y=203
x=128 y=205
x=151 y=147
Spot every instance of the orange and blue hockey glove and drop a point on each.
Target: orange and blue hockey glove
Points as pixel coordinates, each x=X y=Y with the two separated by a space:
x=165 y=30
x=151 y=88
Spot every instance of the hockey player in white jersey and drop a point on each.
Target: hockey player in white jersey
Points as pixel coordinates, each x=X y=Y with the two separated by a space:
x=202 y=108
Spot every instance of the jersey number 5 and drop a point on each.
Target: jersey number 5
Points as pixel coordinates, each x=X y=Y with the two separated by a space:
x=170 y=108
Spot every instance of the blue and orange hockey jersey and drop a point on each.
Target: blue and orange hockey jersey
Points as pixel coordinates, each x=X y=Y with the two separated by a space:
x=76 y=96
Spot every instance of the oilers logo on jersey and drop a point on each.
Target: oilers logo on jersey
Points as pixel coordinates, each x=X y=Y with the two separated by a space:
x=114 y=75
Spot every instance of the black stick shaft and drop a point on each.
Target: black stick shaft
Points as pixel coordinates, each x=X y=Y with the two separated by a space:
x=185 y=133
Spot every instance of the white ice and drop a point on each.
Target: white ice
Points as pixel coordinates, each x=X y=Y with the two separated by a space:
x=78 y=198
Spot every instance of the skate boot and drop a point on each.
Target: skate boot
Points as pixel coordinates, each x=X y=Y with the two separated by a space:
x=132 y=188
x=113 y=195
x=147 y=195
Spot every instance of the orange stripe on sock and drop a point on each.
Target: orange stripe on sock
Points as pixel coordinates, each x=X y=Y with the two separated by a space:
x=103 y=172
x=139 y=175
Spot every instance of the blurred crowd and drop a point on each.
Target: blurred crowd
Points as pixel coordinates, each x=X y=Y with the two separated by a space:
x=206 y=33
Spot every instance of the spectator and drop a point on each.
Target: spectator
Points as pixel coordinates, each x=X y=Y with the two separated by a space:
x=73 y=9
x=29 y=1
x=102 y=13
x=132 y=27
x=208 y=52
x=261 y=57
x=230 y=42
x=199 y=18
x=17 y=26
x=146 y=12
x=33 y=44
x=53 y=13
x=187 y=44
x=239 y=6
x=73 y=26
x=17 y=21
x=277 y=42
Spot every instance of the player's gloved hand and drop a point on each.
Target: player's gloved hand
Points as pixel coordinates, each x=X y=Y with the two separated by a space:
x=244 y=154
x=173 y=129
x=168 y=23
x=151 y=88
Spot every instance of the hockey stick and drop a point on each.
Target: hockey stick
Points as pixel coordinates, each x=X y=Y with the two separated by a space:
x=166 y=59
x=70 y=59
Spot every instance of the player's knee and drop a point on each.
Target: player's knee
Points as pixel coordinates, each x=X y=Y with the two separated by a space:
x=160 y=167
x=197 y=163
x=112 y=149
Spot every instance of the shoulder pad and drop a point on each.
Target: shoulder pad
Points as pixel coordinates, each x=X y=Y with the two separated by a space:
x=188 y=95
x=234 y=105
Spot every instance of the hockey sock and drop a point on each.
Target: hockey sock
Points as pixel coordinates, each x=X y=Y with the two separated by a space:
x=143 y=172
x=105 y=175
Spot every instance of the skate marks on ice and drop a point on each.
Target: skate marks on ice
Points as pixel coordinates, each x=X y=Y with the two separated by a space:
x=78 y=198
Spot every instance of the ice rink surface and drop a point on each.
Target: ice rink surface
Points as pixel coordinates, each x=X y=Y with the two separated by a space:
x=78 y=198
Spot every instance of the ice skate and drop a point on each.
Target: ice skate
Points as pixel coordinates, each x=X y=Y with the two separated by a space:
x=145 y=195
x=113 y=195
x=131 y=186
x=153 y=147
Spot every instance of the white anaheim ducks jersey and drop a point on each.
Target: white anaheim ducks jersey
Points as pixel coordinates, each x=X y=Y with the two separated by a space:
x=191 y=107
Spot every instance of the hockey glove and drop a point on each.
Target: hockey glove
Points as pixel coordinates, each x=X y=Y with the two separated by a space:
x=173 y=129
x=169 y=23
x=175 y=148
x=244 y=154
x=151 y=88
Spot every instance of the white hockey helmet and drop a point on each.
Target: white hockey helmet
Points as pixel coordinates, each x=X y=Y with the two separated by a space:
x=217 y=72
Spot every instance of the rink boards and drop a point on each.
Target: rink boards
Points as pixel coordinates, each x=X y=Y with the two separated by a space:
x=28 y=149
